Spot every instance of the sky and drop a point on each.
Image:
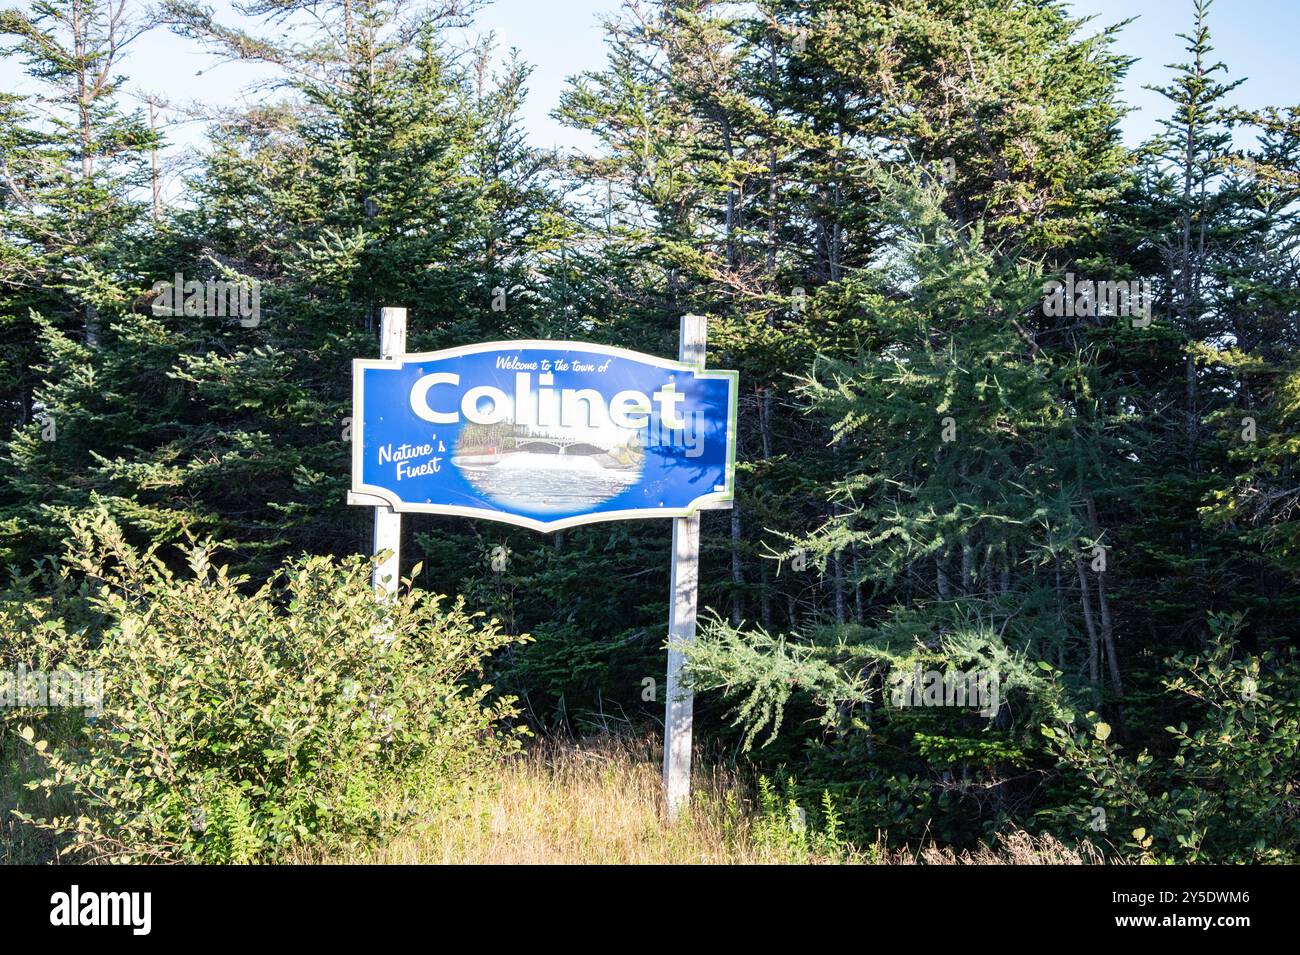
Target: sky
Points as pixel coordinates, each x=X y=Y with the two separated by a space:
x=562 y=37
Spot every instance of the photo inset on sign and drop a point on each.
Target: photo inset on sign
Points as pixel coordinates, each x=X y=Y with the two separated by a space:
x=549 y=469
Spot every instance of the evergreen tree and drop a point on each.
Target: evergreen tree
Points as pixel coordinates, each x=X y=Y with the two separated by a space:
x=71 y=164
x=390 y=174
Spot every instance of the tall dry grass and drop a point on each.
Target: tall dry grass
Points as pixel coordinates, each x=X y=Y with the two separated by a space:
x=594 y=802
x=599 y=802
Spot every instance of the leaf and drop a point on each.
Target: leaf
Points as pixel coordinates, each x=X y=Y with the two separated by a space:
x=1102 y=730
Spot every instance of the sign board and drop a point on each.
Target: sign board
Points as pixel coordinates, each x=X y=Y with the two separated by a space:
x=543 y=434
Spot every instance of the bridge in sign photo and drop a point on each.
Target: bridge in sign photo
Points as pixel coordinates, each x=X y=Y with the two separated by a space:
x=556 y=446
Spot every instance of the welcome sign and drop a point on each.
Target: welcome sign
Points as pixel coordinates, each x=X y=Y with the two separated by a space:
x=543 y=434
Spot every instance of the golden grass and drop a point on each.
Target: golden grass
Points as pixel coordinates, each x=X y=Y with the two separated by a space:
x=598 y=802
x=1016 y=848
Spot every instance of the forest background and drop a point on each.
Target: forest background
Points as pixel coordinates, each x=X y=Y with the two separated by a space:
x=941 y=467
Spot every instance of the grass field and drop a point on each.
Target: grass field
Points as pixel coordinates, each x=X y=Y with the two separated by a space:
x=598 y=802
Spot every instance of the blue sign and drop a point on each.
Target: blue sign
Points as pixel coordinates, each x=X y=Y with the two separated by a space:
x=544 y=434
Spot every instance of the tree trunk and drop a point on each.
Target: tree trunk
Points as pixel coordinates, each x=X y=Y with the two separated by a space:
x=1085 y=599
x=737 y=567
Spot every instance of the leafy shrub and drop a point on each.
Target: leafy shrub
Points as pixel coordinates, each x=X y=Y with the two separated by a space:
x=238 y=726
x=1227 y=787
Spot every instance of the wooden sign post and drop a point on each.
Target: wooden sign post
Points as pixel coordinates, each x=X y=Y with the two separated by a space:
x=388 y=522
x=684 y=586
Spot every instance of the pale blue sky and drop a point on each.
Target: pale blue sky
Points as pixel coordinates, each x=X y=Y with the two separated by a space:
x=1254 y=37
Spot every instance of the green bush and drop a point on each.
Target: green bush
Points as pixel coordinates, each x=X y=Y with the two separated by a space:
x=1224 y=787
x=241 y=725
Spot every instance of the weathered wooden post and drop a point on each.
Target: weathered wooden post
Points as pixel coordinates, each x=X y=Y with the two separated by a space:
x=388 y=522
x=684 y=585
